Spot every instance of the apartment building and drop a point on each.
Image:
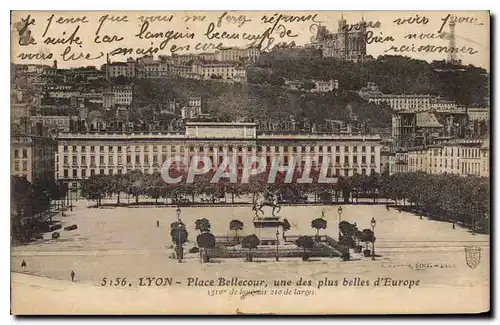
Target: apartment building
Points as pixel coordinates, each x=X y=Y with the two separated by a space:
x=32 y=157
x=122 y=94
x=125 y=69
x=460 y=156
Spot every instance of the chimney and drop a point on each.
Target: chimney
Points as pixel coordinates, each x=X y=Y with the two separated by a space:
x=54 y=64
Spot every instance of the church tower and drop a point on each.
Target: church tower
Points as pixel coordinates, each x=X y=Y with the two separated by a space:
x=342 y=37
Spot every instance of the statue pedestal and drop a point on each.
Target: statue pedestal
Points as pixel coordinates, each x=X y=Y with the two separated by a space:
x=266 y=228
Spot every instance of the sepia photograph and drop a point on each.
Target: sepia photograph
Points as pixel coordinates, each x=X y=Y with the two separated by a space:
x=250 y=162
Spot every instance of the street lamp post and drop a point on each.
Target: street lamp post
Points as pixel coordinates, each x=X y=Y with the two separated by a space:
x=70 y=198
x=373 y=223
x=339 y=210
x=178 y=211
x=277 y=247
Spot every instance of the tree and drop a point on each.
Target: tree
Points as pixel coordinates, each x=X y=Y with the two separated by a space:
x=373 y=186
x=95 y=187
x=285 y=226
x=236 y=225
x=349 y=234
x=306 y=243
x=203 y=225
x=205 y=240
x=233 y=189
x=367 y=236
x=135 y=184
x=318 y=223
x=250 y=242
x=154 y=186
x=22 y=208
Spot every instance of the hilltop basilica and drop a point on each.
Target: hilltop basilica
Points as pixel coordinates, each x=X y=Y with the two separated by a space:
x=349 y=43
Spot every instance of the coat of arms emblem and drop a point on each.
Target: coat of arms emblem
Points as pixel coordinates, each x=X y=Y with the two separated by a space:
x=472 y=256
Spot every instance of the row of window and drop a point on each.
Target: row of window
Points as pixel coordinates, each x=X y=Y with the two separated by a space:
x=230 y=149
x=419 y=162
x=459 y=152
x=16 y=166
x=74 y=159
x=471 y=168
x=74 y=173
x=16 y=153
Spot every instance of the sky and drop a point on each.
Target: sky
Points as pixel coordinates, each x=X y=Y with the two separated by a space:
x=188 y=28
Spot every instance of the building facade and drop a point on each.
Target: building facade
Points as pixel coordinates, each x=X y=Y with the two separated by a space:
x=323 y=86
x=225 y=71
x=124 y=69
x=122 y=95
x=237 y=54
x=402 y=102
x=478 y=113
x=32 y=157
x=83 y=155
x=52 y=123
x=461 y=156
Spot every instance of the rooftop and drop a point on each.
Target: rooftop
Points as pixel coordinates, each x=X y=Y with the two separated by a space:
x=427 y=120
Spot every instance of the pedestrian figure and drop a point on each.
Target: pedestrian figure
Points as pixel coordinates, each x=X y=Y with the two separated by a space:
x=23 y=264
x=453 y=225
x=387 y=206
x=72 y=276
x=157 y=223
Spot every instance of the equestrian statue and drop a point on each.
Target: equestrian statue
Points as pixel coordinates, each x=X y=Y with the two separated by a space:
x=271 y=199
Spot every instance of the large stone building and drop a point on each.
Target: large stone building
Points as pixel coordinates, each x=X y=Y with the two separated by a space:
x=346 y=44
x=225 y=71
x=82 y=155
x=412 y=102
x=124 y=69
x=232 y=54
x=478 y=113
x=121 y=95
x=32 y=157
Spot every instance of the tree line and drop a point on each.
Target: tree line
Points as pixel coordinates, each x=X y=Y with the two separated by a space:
x=29 y=202
x=447 y=197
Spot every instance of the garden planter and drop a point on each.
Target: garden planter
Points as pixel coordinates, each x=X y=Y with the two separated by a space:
x=305 y=257
x=367 y=253
x=55 y=235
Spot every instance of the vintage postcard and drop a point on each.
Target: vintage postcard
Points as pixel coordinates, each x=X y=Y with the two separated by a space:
x=250 y=162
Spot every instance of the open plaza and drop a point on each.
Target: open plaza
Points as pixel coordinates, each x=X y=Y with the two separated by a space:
x=125 y=242
x=412 y=255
